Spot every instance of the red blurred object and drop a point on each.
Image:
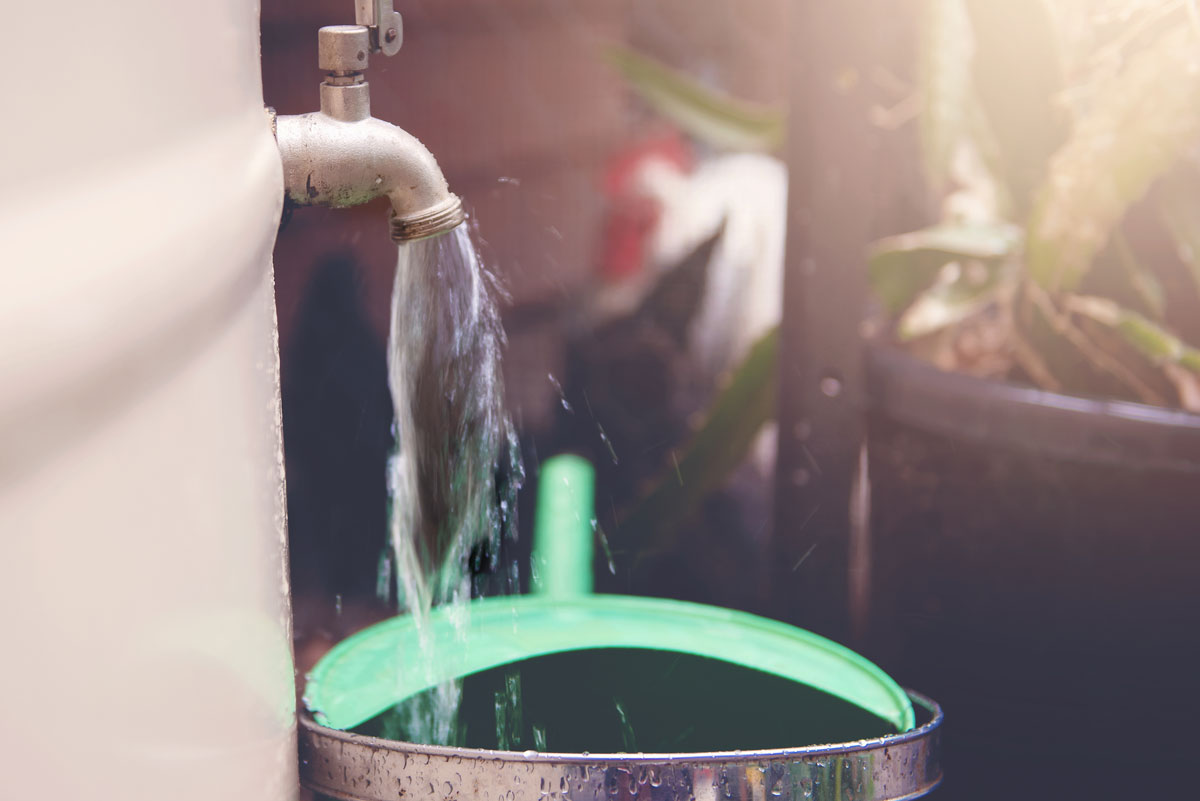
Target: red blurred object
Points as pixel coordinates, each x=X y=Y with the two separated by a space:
x=632 y=215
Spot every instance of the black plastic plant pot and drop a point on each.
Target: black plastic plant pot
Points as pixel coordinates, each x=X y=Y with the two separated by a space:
x=1036 y=566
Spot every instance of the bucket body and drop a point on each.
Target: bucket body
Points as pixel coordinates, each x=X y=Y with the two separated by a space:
x=143 y=592
x=1035 y=569
x=354 y=767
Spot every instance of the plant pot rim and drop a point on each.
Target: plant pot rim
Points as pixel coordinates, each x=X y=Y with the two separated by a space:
x=908 y=390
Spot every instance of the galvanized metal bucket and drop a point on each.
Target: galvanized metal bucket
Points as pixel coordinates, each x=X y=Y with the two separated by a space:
x=349 y=766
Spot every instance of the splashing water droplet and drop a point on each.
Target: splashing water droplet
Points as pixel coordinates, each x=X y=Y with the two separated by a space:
x=612 y=452
x=562 y=396
x=608 y=554
x=628 y=741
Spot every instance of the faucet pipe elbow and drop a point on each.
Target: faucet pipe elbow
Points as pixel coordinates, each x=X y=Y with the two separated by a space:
x=342 y=163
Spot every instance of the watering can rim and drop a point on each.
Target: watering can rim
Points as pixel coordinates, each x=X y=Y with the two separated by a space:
x=358 y=679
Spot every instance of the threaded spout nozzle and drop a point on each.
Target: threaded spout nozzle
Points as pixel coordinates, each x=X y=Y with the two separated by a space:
x=440 y=219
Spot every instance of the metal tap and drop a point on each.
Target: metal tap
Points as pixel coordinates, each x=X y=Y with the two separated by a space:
x=342 y=156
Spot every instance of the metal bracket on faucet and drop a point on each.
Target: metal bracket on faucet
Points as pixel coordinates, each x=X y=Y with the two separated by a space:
x=385 y=25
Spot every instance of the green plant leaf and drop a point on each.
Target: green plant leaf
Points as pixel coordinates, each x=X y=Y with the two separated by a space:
x=722 y=443
x=1018 y=78
x=901 y=267
x=1134 y=131
x=960 y=291
x=1070 y=356
x=944 y=71
x=710 y=116
x=1179 y=208
x=1142 y=281
x=1153 y=341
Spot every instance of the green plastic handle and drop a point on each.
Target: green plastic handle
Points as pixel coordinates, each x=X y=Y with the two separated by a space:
x=564 y=529
x=370 y=672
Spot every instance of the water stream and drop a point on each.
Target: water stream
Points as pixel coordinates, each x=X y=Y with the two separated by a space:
x=454 y=478
x=453 y=483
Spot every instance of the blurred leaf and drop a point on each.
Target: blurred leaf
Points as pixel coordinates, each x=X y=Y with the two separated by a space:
x=1179 y=207
x=945 y=78
x=1150 y=339
x=1075 y=32
x=960 y=291
x=1120 y=274
x=901 y=267
x=1187 y=386
x=1134 y=131
x=977 y=195
x=722 y=443
x=1143 y=282
x=1083 y=356
x=1018 y=77
x=710 y=116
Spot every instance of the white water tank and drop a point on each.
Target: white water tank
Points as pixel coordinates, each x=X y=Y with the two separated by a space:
x=145 y=648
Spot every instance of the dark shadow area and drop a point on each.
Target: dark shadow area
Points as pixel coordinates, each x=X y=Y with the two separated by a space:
x=612 y=700
x=337 y=422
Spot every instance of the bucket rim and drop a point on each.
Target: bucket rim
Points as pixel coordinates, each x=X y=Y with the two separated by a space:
x=310 y=727
x=356 y=767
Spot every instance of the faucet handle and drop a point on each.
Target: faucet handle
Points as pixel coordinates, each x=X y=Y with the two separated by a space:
x=387 y=29
x=343 y=49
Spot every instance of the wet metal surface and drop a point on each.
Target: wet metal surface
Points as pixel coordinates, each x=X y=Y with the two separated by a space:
x=350 y=766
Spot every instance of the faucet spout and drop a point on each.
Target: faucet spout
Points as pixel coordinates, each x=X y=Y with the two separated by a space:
x=341 y=156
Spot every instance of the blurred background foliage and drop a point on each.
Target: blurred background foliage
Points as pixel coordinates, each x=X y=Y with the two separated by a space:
x=1060 y=140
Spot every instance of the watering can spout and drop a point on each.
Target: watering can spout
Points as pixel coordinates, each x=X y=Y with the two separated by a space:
x=565 y=528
